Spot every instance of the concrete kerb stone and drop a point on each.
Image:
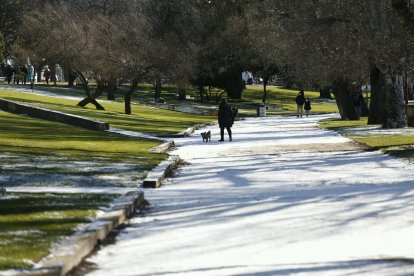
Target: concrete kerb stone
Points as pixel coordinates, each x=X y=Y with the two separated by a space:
x=69 y=253
x=51 y=115
x=164 y=147
x=191 y=130
x=162 y=171
x=188 y=131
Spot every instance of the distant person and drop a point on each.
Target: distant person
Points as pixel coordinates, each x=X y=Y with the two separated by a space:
x=225 y=119
x=9 y=73
x=23 y=71
x=300 y=101
x=357 y=100
x=30 y=73
x=46 y=74
x=307 y=106
x=16 y=72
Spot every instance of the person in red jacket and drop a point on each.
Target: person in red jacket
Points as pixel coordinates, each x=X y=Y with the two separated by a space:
x=46 y=74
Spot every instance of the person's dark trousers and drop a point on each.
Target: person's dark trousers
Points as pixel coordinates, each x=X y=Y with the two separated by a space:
x=222 y=132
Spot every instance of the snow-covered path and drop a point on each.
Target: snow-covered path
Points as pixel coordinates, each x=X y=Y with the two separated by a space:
x=284 y=198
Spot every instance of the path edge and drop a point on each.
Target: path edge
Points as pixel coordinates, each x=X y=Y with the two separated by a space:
x=69 y=253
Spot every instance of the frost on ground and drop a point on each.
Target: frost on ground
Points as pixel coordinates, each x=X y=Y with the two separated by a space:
x=273 y=203
x=36 y=171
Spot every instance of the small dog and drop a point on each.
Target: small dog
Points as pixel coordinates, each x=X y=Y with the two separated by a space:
x=206 y=136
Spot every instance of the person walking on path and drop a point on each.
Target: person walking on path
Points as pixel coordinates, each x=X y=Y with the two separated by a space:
x=225 y=119
x=46 y=74
x=300 y=100
x=307 y=106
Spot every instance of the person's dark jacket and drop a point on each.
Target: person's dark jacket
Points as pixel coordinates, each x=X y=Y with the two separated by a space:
x=307 y=105
x=225 y=116
x=300 y=99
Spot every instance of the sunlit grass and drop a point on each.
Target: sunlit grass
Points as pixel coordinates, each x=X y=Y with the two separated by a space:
x=398 y=145
x=143 y=119
x=285 y=99
x=23 y=135
x=338 y=124
x=30 y=223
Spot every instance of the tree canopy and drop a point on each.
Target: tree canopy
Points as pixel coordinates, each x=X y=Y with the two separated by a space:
x=338 y=43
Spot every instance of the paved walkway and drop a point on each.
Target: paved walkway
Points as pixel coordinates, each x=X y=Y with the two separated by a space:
x=284 y=198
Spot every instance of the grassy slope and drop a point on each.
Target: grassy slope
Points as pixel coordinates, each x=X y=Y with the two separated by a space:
x=23 y=135
x=143 y=119
x=29 y=224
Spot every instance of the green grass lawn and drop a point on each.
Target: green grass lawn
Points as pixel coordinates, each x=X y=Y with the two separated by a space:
x=143 y=119
x=32 y=140
x=281 y=98
x=285 y=99
x=338 y=124
x=20 y=134
x=31 y=223
x=398 y=145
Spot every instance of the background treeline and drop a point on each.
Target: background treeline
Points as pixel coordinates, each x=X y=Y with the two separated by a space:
x=340 y=44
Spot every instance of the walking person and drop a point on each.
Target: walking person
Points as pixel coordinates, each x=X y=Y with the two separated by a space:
x=9 y=73
x=307 y=106
x=46 y=74
x=23 y=71
x=300 y=100
x=225 y=119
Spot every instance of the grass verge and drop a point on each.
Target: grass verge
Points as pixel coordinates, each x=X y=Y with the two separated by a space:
x=393 y=143
x=31 y=223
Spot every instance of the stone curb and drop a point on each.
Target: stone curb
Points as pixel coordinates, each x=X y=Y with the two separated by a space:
x=163 y=148
x=162 y=171
x=186 y=109
x=51 y=115
x=188 y=131
x=70 y=252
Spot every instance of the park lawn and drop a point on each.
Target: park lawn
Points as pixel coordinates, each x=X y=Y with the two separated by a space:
x=31 y=223
x=338 y=124
x=398 y=145
x=285 y=99
x=143 y=119
x=251 y=97
x=32 y=137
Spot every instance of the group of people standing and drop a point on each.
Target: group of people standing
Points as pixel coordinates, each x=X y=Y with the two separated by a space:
x=24 y=74
x=302 y=103
x=21 y=74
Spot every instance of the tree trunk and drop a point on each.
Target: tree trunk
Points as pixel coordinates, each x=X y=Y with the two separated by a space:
x=395 y=116
x=376 y=106
x=158 y=88
x=71 y=77
x=39 y=73
x=265 y=82
x=181 y=91
x=53 y=75
x=128 y=96
x=201 y=92
x=100 y=86
x=325 y=93
x=233 y=83
x=89 y=98
x=342 y=94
